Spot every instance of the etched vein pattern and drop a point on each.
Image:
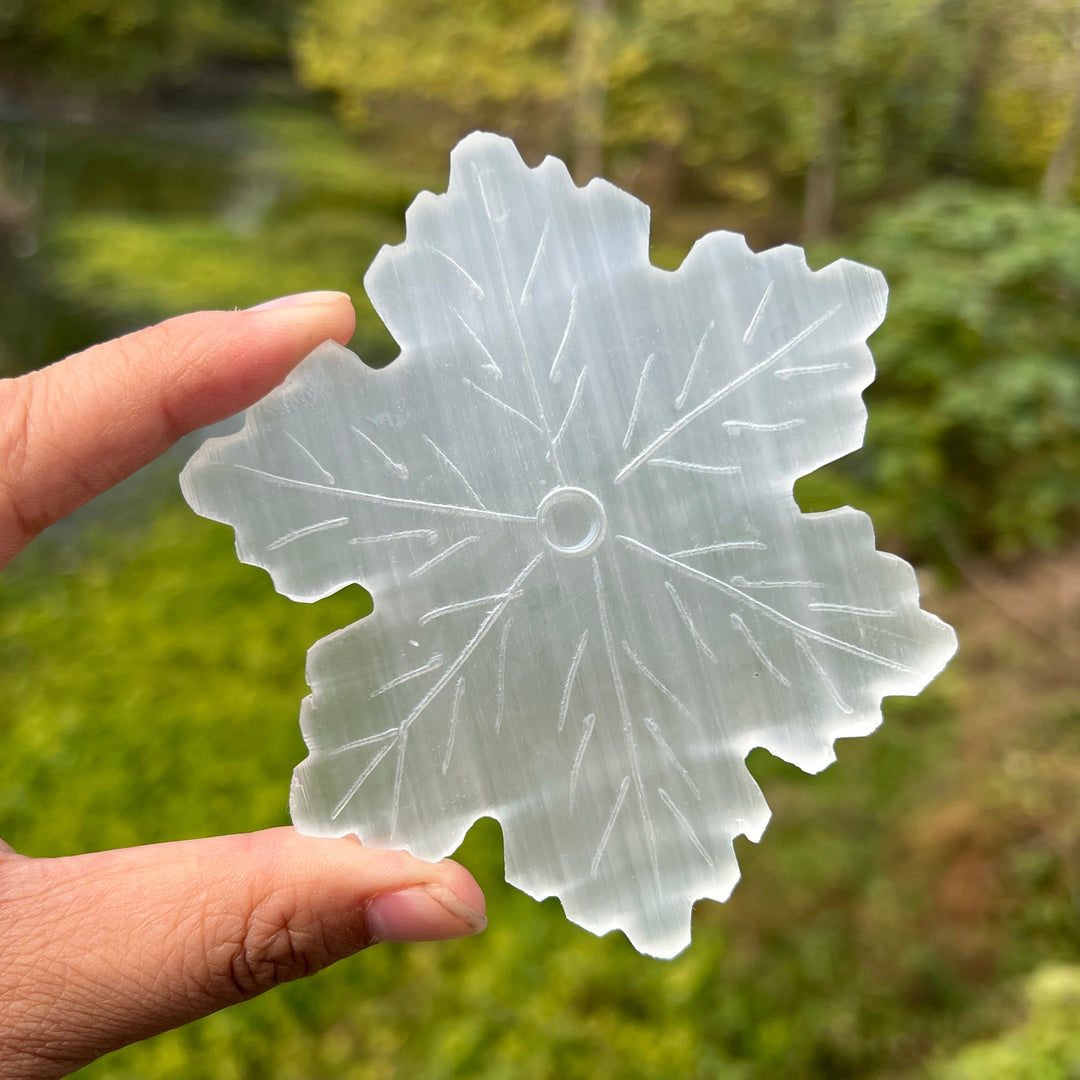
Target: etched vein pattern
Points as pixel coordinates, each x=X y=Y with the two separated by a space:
x=570 y=499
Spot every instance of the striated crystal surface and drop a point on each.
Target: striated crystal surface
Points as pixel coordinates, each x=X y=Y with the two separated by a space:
x=571 y=500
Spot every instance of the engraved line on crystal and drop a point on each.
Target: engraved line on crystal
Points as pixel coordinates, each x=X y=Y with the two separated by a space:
x=399 y=776
x=430 y=536
x=311 y=457
x=658 y=736
x=526 y=290
x=638 y=394
x=386 y=500
x=609 y=828
x=459 y=268
x=358 y=782
x=755 y=319
x=307 y=530
x=718 y=395
x=500 y=689
x=684 y=614
x=750 y=425
x=574 y=399
x=461 y=605
x=397 y=466
x=553 y=374
x=456 y=471
x=444 y=554
x=494 y=367
x=693 y=466
x=640 y=665
x=511 y=309
x=432 y=665
x=741 y=583
x=478 y=176
x=502 y=405
x=826 y=681
x=814 y=369
x=851 y=609
x=680 y=401
x=564 y=704
x=579 y=757
x=627 y=725
x=367 y=740
x=770 y=612
x=727 y=545
x=455 y=708
x=692 y=836
x=758 y=651
x=470 y=647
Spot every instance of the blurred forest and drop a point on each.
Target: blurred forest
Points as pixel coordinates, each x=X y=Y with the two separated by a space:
x=912 y=912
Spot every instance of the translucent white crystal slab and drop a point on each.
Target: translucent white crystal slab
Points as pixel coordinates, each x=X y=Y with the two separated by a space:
x=571 y=500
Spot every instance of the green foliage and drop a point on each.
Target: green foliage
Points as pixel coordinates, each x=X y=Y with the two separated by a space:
x=736 y=99
x=466 y=59
x=973 y=443
x=1044 y=1045
x=735 y=82
x=154 y=268
x=317 y=164
x=129 y=43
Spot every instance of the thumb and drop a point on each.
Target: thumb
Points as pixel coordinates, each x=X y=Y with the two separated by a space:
x=102 y=950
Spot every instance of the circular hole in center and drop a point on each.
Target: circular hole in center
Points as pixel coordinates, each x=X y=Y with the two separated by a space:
x=571 y=521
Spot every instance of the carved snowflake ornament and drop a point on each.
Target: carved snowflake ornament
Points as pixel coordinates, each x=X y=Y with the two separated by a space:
x=571 y=500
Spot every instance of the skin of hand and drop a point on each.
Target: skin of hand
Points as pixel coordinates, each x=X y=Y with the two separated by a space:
x=101 y=950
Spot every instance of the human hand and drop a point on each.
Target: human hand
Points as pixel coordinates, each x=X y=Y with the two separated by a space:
x=104 y=949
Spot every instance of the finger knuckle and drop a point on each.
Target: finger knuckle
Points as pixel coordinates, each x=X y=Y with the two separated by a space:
x=16 y=398
x=158 y=343
x=275 y=943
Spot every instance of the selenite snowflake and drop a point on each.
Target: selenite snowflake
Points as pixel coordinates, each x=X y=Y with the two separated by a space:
x=571 y=500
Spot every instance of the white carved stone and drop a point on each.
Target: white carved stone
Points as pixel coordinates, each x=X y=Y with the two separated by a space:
x=571 y=500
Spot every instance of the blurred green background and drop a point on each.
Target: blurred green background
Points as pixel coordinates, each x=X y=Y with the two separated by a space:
x=912 y=912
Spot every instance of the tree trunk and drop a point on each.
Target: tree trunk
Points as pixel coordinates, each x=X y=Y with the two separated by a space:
x=1061 y=170
x=982 y=37
x=819 y=206
x=589 y=87
x=657 y=179
x=822 y=173
x=15 y=212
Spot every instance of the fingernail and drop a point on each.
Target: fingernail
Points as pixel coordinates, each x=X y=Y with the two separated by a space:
x=422 y=913
x=300 y=300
